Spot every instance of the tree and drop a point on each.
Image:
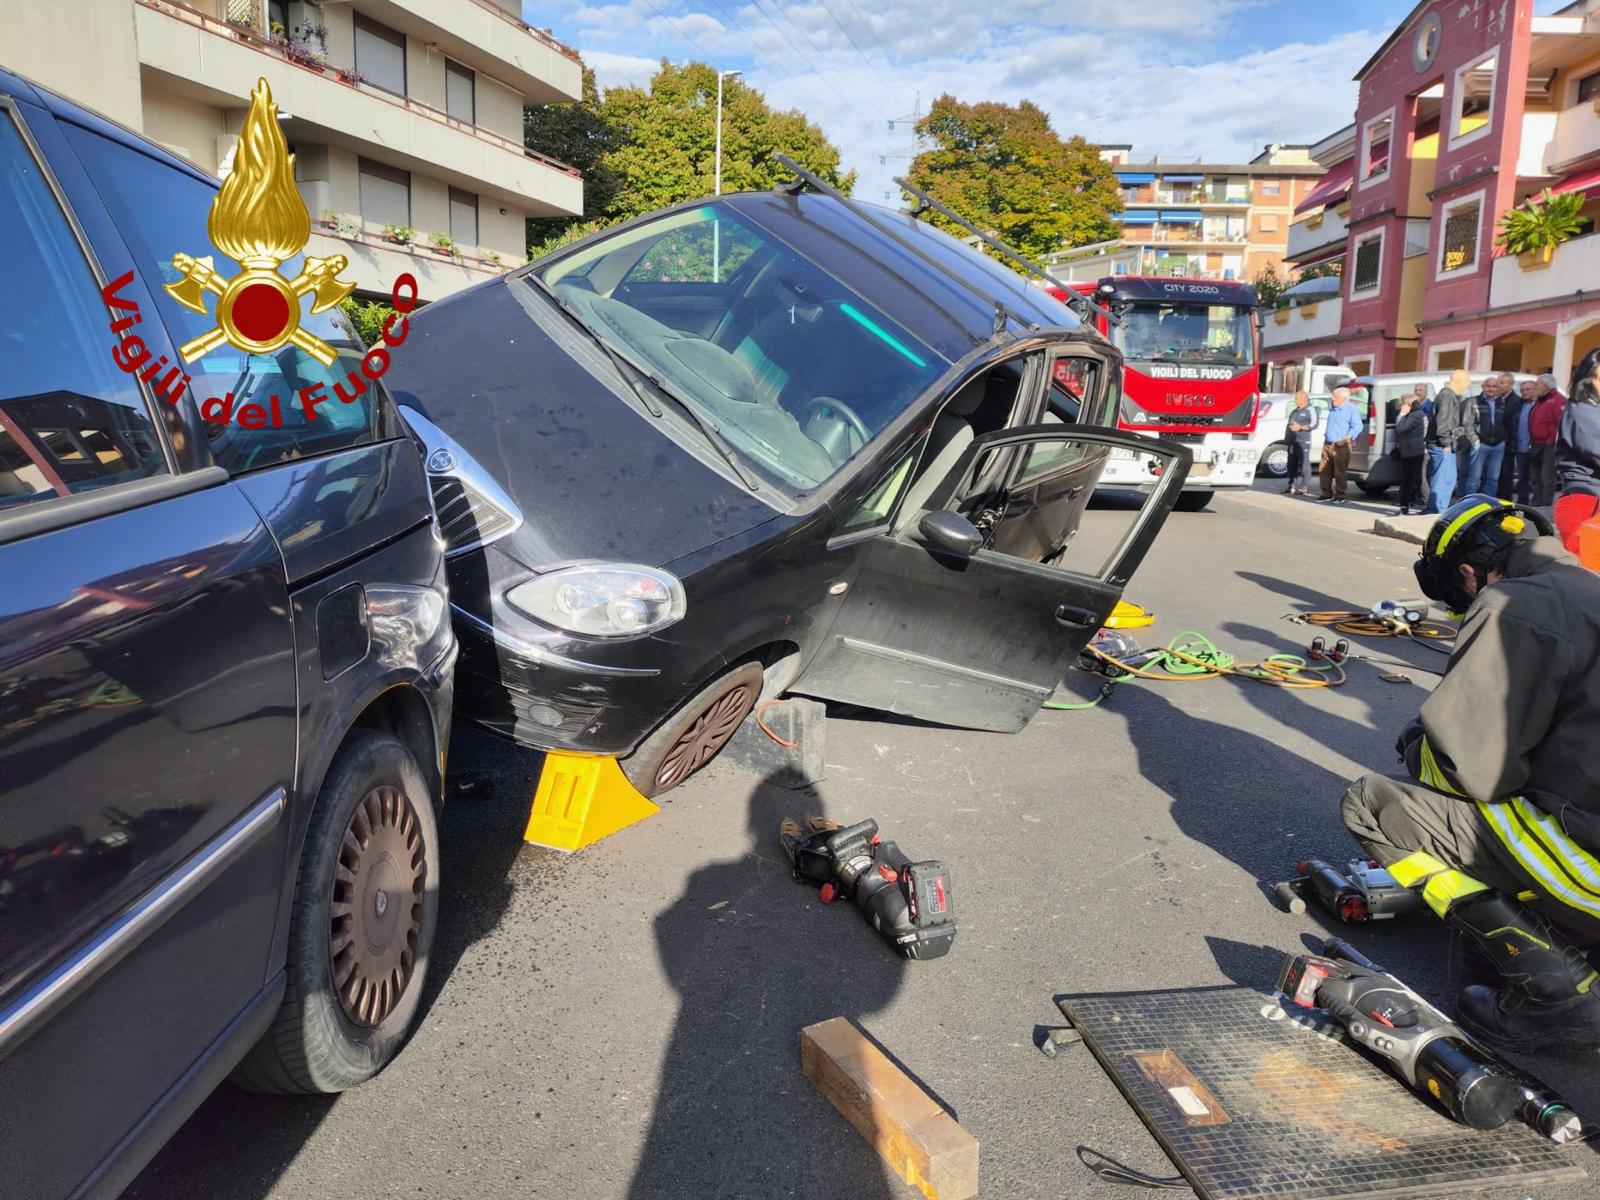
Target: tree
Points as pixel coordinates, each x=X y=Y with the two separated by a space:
x=1004 y=169
x=665 y=148
x=579 y=135
x=1269 y=286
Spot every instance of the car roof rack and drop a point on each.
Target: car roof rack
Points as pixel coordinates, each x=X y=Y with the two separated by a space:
x=926 y=202
x=804 y=179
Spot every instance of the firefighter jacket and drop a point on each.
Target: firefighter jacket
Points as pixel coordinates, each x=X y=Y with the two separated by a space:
x=1514 y=725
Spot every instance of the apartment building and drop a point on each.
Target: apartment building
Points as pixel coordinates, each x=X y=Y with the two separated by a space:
x=1189 y=217
x=1465 y=111
x=404 y=116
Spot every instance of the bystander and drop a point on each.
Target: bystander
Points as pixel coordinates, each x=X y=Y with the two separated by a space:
x=1578 y=452
x=1338 y=435
x=1302 y=420
x=1410 y=447
x=1487 y=422
x=1544 y=426
x=1516 y=477
x=1444 y=438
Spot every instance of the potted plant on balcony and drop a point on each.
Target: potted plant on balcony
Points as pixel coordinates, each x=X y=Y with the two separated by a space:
x=400 y=235
x=1532 y=231
x=492 y=257
x=443 y=244
x=346 y=225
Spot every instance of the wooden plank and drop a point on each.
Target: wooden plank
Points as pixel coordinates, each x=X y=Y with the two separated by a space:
x=919 y=1140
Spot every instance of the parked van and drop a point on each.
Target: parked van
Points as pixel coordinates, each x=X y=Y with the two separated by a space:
x=1371 y=466
x=225 y=683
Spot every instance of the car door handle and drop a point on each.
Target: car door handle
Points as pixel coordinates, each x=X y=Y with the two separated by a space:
x=1071 y=614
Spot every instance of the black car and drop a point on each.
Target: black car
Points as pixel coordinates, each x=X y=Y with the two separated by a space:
x=225 y=684
x=767 y=443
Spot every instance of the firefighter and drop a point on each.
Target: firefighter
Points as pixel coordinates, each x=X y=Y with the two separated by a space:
x=1498 y=825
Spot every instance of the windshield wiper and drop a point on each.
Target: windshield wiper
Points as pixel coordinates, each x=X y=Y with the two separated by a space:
x=626 y=368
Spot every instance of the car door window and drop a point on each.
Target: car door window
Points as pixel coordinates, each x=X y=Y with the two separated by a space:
x=162 y=211
x=1077 y=391
x=70 y=421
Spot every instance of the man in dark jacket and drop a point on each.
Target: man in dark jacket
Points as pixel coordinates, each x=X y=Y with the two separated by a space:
x=1499 y=823
x=1516 y=471
x=1487 y=422
x=1411 y=448
x=1444 y=434
x=1545 y=427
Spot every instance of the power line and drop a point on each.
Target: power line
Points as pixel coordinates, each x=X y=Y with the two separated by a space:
x=681 y=32
x=772 y=61
x=850 y=37
x=882 y=49
x=818 y=63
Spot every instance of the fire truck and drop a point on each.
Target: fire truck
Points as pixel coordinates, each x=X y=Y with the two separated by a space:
x=1190 y=374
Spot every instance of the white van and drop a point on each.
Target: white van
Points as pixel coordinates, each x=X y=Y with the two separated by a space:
x=1371 y=466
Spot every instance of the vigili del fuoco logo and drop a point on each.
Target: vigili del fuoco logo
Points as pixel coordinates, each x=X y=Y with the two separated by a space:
x=259 y=220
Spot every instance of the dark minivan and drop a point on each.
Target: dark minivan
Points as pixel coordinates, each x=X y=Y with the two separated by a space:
x=766 y=443
x=225 y=685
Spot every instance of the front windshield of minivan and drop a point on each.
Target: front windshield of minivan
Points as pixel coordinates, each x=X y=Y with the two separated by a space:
x=794 y=370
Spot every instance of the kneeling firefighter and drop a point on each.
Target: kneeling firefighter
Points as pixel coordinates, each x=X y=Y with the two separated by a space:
x=1499 y=824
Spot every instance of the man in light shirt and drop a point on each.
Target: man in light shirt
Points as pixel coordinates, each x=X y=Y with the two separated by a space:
x=1339 y=433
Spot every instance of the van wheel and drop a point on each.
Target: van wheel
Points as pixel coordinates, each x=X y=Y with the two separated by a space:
x=361 y=927
x=1275 y=461
x=691 y=737
x=1192 y=501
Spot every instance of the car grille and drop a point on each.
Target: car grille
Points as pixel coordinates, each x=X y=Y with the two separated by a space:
x=466 y=516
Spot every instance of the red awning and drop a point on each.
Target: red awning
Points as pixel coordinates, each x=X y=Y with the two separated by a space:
x=1331 y=188
x=1585 y=182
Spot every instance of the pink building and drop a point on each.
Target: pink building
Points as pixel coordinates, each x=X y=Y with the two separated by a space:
x=1466 y=110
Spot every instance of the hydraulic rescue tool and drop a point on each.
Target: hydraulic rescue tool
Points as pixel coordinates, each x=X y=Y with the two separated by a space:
x=1365 y=892
x=908 y=903
x=1430 y=1053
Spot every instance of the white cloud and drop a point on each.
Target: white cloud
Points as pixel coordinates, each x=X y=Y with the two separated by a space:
x=619 y=70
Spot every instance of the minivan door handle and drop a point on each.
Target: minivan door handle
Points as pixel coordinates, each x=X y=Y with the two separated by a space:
x=1072 y=614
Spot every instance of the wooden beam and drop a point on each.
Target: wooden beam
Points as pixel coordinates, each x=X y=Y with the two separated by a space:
x=919 y=1140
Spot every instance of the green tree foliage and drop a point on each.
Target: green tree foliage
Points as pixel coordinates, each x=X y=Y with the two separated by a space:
x=1270 y=286
x=368 y=317
x=1004 y=169
x=665 y=150
x=579 y=135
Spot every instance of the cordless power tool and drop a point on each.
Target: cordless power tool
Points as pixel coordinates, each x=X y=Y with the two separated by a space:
x=908 y=903
x=1431 y=1054
x=1363 y=892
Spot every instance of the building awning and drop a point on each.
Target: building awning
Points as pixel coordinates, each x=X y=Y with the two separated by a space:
x=1180 y=214
x=1134 y=177
x=1136 y=218
x=1332 y=253
x=1332 y=188
x=1184 y=178
x=1585 y=183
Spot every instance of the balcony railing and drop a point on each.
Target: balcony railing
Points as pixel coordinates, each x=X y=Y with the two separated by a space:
x=1522 y=280
x=1306 y=323
x=277 y=48
x=1140 y=235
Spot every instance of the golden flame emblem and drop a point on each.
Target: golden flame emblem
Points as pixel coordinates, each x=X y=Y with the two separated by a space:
x=258 y=219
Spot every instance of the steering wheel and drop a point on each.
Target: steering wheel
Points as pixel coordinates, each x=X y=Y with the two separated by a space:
x=828 y=433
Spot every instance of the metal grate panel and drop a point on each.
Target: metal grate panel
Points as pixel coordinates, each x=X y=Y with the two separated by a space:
x=466 y=516
x=1256 y=1100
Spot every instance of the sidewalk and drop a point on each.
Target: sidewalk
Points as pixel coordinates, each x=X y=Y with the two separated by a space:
x=1361 y=513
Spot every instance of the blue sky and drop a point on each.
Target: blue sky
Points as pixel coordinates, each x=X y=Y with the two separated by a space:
x=1217 y=78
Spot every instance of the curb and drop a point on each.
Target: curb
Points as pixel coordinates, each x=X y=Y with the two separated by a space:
x=1385 y=529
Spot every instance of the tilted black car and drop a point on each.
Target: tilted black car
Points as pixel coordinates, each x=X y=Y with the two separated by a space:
x=767 y=443
x=225 y=678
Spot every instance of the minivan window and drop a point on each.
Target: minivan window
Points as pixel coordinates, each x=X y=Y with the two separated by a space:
x=160 y=211
x=70 y=421
x=793 y=369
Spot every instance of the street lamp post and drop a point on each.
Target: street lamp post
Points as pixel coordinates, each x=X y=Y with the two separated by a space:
x=716 y=225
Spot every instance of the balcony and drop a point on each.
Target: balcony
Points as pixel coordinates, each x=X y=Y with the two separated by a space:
x=1577 y=137
x=1309 y=322
x=1184 y=235
x=216 y=62
x=1205 y=196
x=1317 y=233
x=1574 y=267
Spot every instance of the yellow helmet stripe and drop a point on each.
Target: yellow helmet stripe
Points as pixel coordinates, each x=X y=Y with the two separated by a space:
x=1456 y=526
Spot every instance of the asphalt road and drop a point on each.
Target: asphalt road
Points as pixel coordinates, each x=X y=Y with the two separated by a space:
x=625 y=1022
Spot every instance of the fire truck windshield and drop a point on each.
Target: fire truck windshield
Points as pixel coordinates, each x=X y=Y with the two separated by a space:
x=1219 y=334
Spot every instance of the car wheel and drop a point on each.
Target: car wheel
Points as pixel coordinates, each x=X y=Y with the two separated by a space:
x=1192 y=501
x=361 y=927
x=1373 y=487
x=1275 y=460
x=691 y=737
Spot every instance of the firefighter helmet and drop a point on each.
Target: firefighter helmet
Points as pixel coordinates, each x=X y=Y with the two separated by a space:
x=1475 y=531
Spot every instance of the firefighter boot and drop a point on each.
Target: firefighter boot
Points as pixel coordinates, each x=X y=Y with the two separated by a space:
x=1548 y=996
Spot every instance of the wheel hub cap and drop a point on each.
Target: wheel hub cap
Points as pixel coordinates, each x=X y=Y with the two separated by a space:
x=375 y=912
x=705 y=736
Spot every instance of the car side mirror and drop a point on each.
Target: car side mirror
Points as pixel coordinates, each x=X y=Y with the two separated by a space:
x=950 y=532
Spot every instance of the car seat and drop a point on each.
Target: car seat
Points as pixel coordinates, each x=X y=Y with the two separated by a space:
x=952 y=433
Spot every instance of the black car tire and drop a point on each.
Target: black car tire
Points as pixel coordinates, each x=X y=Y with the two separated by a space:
x=1275 y=461
x=322 y=1040
x=1192 y=501
x=1373 y=487
x=693 y=735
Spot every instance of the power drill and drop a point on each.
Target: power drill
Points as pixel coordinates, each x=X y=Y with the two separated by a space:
x=1429 y=1052
x=1366 y=892
x=908 y=903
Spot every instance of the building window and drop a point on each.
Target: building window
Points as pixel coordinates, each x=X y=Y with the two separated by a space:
x=385 y=194
x=1269 y=187
x=1473 y=105
x=1589 y=87
x=463 y=218
x=1369 y=264
x=460 y=85
x=380 y=55
x=1130 y=194
x=1458 y=247
x=1375 y=138
x=1269 y=222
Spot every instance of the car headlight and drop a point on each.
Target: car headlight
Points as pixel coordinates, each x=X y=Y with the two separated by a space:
x=603 y=600
x=406 y=625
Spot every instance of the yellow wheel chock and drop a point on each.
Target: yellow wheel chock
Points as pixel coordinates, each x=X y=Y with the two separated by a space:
x=1129 y=616
x=580 y=799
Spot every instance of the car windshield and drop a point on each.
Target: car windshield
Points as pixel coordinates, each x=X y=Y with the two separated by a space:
x=796 y=372
x=1222 y=334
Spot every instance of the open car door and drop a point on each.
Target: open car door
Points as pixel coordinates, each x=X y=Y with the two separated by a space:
x=971 y=613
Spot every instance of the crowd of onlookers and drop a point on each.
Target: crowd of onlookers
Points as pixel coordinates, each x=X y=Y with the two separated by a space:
x=1524 y=441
